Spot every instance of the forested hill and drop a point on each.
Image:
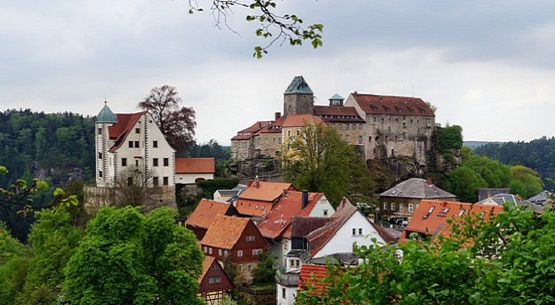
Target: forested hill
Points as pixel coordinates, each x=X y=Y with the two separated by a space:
x=537 y=154
x=55 y=145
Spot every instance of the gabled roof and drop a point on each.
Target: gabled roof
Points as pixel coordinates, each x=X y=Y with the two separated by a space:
x=206 y=211
x=336 y=97
x=106 y=115
x=416 y=188
x=394 y=105
x=265 y=191
x=298 y=86
x=541 y=198
x=484 y=193
x=210 y=263
x=225 y=231
x=206 y=265
x=338 y=114
x=501 y=199
x=430 y=217
x=281 y=215
x=194 y=165
x=120 y=130
x=300 y=120
x=248 y=132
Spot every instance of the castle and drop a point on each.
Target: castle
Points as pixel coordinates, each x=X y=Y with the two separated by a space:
x=378 y=126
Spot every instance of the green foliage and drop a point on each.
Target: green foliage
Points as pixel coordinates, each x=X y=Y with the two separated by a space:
x=449 y=137
x=129 y=258
x=13 y=267
x=210 y=186
x=482 y=172
x=265 y=271
x=318 y=160
x=506 y=261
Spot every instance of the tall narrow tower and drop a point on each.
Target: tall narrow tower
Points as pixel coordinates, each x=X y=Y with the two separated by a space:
x=104 y=119
x=298 y=98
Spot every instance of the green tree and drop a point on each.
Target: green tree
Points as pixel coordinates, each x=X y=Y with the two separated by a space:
x=508 y=260
x=265 y=271
x=525 y=181
x=129 y=258
x=13 y=267
x=318 y=160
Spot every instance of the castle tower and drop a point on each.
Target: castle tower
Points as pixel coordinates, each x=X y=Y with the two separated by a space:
x=336 y=100
x=104 y=120
x=298 y=98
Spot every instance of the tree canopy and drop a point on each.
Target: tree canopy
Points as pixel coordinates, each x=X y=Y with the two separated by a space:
x=129 y=258
x=177 y=123
x=318 y=160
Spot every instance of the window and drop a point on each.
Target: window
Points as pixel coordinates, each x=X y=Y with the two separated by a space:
x=226 y=253
x=136 y=162
x=155 y=181
x=354 y=126
x=99 y=155
x=210 y=250
x=279 y=140
x=359 y=139
x=411 y=207
x=249 y=267
x=340 y=126
x=155 y=144
x=123 y=161
x=214 y=279
x=155 y=162
x=250 y=238
x=325 y=212
x=283 y=293
x=129 y=181
x=166 y=162
x=240 y=267
x=288 y=133
x=99 y=130
x=360 y=125
x=166 y=181
x=256 y=252
x=393 y=206
x=359 y=231
x=100 y=174
x=347 y=126
x=205 y=249
x=130 y=144
x=354 y=231
x=137 y=130
x=239 y=253
x=220 y=252
x=401 y=207
x=298 y=132
x=136 y=144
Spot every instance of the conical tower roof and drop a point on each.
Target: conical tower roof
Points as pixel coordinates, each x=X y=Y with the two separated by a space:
x=298 y=86
x=106 y=115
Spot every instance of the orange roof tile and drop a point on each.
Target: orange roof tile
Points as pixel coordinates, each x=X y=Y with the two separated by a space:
x=225 y=231
x=248 y=132
x=300 y=120
x=206 y=211
x=430 y=217
x=265 y=191
x=393 y=105
x=312 y=275
x=194 y=165
x=279 y=218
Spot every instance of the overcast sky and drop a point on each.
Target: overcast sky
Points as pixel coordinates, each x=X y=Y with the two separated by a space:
x=488 y=66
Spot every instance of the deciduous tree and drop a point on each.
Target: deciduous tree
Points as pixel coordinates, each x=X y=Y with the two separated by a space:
x=134 y=186
x=177 y=123
x=318 y=160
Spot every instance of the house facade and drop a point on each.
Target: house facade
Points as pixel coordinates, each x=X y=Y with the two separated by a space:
x=237 y=239
x=204 y=214
x=214 y=282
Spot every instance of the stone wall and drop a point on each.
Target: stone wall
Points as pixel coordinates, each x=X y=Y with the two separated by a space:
x=97 y=197
x=257 y=296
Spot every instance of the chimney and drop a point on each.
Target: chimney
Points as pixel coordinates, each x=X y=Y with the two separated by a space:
x=305 y=199
x=249 y=183
x=278 y=115
x=429 y=181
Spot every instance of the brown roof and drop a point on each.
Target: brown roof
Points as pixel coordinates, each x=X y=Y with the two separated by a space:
x=206 y=211
x=206 y=264
x=120 y=130
x=281 y=215
x=417 y=188
x=265 y=191
x=394 y=105
x=430 y=217
x=300 y=120
x=338 y=114
x=225 y=231
x=194 y=165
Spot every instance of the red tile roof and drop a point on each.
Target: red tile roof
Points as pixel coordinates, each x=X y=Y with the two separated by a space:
x=206 y=211
x=430 y=217
x=279 y=218
x=313 y=275
x=394 y=105
x=300 y=120
x=120 y=130
x=194 y=165
x=258 y=199
x=338 y=114
x=248 y=132
x=225 y=231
